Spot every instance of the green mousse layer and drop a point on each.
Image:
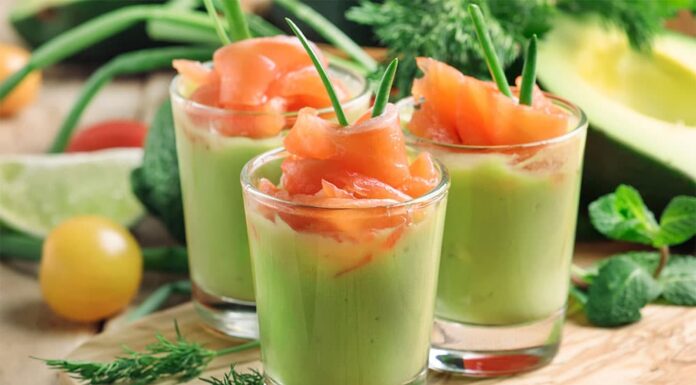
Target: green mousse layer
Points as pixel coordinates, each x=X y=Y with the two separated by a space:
x=509 y=236
x=216 y=234
x=345 y=312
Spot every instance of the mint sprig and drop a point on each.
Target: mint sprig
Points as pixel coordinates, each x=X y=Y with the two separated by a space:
x=677 y=223
x=623 y=216
x=620 y=286
x=618 y=293
x=678 y=281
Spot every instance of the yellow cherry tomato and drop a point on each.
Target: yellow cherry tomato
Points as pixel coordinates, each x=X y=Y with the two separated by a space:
x=91 y=268
x=12 y=58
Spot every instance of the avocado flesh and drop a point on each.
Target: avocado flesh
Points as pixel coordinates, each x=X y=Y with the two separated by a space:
x=641 y=107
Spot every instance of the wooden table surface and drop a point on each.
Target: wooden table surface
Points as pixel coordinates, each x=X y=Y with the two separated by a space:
x=659 y=350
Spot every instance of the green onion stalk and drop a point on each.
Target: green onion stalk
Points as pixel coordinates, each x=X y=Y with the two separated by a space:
x=96 y=30
x=491 y=57
x=335 y=102
x=125 y=64
x=23 y=247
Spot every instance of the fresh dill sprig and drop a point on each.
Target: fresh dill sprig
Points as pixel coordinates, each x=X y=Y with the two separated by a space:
x=443 y=30
x=235 y=378
x=179 y=359
x=640 y=19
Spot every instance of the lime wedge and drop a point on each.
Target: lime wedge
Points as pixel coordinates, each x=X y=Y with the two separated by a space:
x=37 y=192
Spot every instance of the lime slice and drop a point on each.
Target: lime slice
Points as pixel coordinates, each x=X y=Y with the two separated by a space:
x=37 y=192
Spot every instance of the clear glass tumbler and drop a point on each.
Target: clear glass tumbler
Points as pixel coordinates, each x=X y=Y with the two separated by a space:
x=345 y=296
x=210 y=161
x=507 y=248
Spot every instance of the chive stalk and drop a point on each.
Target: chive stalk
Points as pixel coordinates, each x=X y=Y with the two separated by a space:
x=384 y=89
x=158 y=297
x=488 y=50
x=340 y=116
x=219 y=28
x=529 y=73
x=95 y=30
x=125 y=64
x=235 y=20
x=329 y=32
x=28 y=248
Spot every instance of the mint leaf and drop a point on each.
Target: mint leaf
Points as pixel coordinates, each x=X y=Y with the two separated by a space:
x=623 y=216
x=678 y=222
x=648 y=260
x=620 y=290
x=678 y=280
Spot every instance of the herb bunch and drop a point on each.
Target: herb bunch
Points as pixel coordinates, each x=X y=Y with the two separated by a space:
x=443 y=29
x=179 y=359
x=615 y=290
x=233 y=377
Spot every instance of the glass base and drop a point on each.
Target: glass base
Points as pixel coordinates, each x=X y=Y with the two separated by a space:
x=419 y=379
x=226 y=315
x=492 y=351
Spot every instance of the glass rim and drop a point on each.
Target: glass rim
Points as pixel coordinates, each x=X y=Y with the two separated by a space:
x=435 y=194
x=365 y=90
x=574 y=110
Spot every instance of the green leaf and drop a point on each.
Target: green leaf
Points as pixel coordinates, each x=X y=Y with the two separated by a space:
x=623 y=216
x=678 y=222
x=648 y=260
x=618 y=293
x=678 y=280
x=156 y=182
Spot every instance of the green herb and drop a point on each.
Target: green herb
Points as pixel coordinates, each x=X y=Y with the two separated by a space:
x=678 y=222
x=235 y=19
x=180 y=359
x=235 y=378
x=623 y=216
x=156 y=181
x=125 y=64
x=219 y=28
x=618 y=293
x=678 y=281
x=163 y=259
x=488 y=48
x=329 y=32
x=529 y=73
x=158 y=297
x=442 y=29
x=95 y=30
x=622 y=284
x=385 y=86
x=335 y=102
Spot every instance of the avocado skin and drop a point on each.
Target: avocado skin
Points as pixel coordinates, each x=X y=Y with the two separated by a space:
x=50 y=21
x=609 y=162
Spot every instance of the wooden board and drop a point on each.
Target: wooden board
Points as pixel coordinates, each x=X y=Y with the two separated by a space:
x=659 y=350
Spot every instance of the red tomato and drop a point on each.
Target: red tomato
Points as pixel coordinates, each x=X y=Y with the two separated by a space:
x=109 y=134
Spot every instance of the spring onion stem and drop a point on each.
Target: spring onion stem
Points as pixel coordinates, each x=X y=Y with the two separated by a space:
x=340 y=116
x=95 y=30
x=236 y=21
x=529 y=73
x=238 y=348
x=124 y=64
x=488 y=50
x=385 y=86
x=329 y=32
x=219 y=28
x=158 y=297
x=24 y=247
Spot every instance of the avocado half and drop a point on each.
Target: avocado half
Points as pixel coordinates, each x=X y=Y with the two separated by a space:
x=641 y=107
